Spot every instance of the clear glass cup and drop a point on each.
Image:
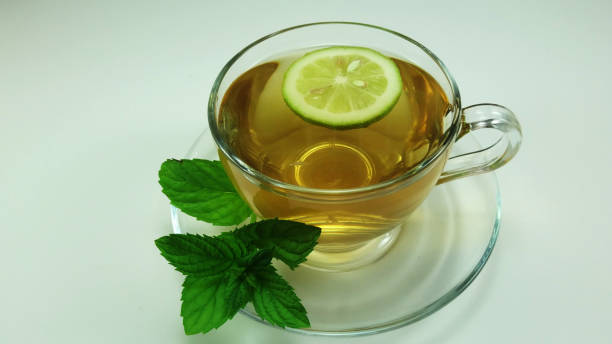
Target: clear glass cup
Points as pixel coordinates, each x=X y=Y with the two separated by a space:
x=360 y=224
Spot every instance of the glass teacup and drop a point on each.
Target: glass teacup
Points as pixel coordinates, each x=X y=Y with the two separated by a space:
x=359 y=224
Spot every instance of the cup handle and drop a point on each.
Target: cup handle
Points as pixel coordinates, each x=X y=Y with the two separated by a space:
x=482 y=116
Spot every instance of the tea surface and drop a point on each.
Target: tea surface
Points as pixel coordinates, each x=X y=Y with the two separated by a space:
x=267 y=135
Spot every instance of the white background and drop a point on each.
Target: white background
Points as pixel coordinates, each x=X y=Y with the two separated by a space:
x=94 y=96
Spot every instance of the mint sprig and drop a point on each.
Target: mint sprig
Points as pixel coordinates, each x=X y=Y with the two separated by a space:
x=226 y=272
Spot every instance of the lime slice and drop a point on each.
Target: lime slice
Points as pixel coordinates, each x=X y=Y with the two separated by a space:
x=342 y=87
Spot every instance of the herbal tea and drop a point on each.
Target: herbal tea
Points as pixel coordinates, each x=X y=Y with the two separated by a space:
x=268 y=135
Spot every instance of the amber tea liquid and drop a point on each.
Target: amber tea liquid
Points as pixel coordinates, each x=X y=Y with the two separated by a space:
x=268 y=136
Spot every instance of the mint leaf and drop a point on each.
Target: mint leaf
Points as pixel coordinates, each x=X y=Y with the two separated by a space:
x=240 y=292
x=276 y=302
x=201 y=255
x=201 y=188
x=288 y=241
x=260 y=260
x=206 y=302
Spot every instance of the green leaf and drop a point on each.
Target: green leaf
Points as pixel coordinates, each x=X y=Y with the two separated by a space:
x=260 y=260
x=205 y=303
x=276 y=302
x=239 y=293
x=201 y=255
x=288 y=241
x=201 y=189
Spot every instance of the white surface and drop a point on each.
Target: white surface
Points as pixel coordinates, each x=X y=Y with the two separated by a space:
x=93 y=97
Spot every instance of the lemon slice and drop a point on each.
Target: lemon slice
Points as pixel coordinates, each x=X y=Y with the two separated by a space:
x=342 y=87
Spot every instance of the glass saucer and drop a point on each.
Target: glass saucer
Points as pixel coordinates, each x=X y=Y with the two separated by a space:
x=440 y=250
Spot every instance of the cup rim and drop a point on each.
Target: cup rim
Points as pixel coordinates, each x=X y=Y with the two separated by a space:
x=449 y=137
